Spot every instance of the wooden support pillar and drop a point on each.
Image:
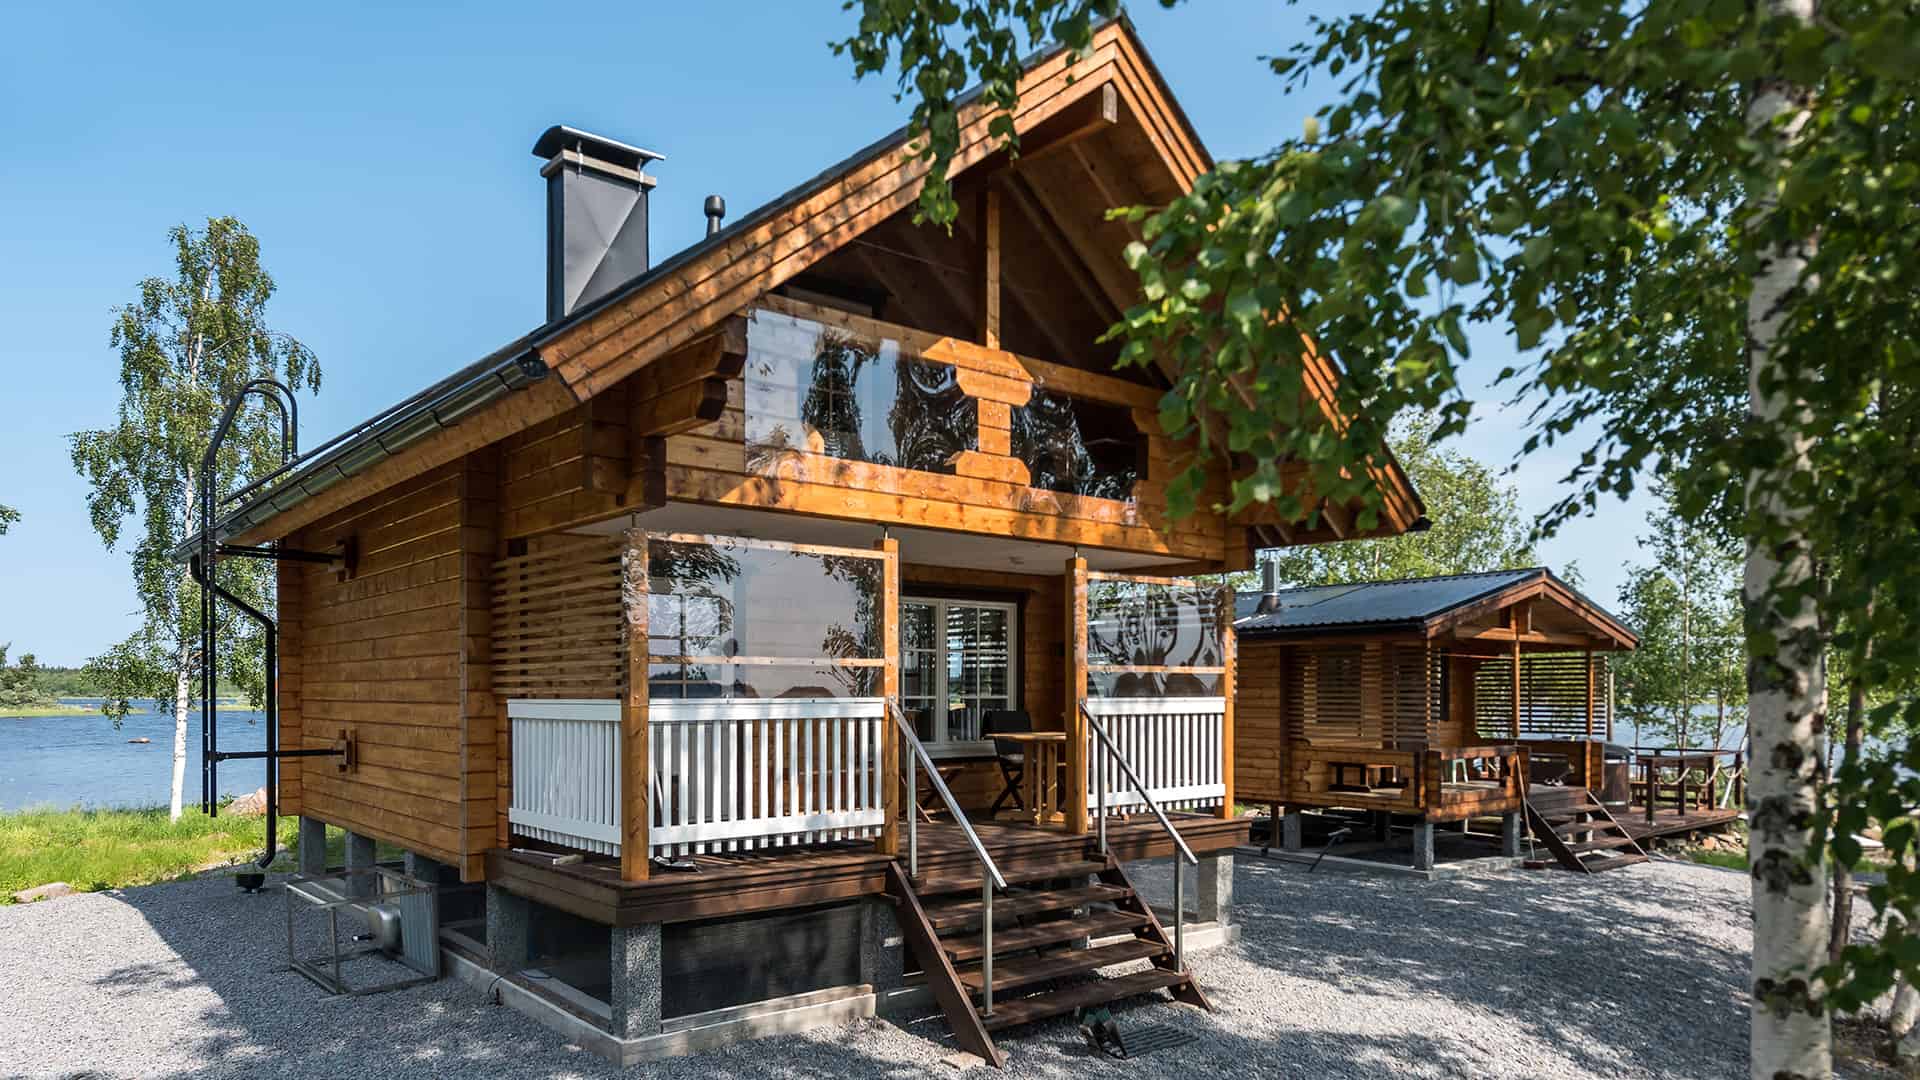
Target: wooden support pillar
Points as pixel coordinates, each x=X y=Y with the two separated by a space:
x=889 y=841
x=1590 y=689
x=1229 y=647
x=1076 y=686
x=990 y=266
x=1514 y=722
x=635 y=755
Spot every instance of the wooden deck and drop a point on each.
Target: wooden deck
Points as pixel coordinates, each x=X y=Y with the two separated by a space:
x=1670 y=822
x=743 y=883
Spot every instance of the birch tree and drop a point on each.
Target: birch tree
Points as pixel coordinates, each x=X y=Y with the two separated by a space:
x=8 y=516
x=187 y=343
x=1697 y=221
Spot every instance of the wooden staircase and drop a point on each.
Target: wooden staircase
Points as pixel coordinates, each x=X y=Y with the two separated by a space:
x=1043 y=961
x=1582 y=833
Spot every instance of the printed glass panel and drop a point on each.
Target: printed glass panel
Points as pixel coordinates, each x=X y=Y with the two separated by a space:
x=1078 y=447
x=818 y=389
x=712 y=602
x=1137 y=624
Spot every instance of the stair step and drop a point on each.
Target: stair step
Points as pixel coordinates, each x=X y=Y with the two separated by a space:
x=960 y=913
x=1096 y=992
x=1603 y=843
x=1016 y=939
x=1597 y=865
x=1572 y=827
x=1027 y=970
x=934 y=886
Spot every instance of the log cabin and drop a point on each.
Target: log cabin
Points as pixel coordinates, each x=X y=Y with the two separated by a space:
x=706 y=624
x=1436 y=701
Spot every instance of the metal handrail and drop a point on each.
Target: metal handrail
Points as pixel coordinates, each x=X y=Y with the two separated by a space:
x=1179 y=843
x=988 y=880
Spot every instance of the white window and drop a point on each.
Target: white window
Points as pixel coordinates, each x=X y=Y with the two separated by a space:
x=956 y=665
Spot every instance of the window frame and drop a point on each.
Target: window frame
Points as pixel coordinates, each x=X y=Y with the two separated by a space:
x=940 y=746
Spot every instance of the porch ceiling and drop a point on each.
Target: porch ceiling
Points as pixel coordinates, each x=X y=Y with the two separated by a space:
x=925 y=546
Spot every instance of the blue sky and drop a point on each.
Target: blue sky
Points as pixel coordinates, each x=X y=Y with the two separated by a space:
x=382 y=157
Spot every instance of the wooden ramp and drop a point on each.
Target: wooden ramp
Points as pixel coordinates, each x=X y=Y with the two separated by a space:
x=1582 y=834
x=1041 y=927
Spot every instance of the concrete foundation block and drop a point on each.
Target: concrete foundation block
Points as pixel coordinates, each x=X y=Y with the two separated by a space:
x=1423 y=846
x=423 y=868
x=508 y=920
x=1290 y=825
x=883 y=950
x=1511 y=832
x=359 y=857
x=1216 y=887
x=313 y=846
x=636 y=959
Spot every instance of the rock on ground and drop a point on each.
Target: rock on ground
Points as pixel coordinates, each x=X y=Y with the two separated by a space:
x=252 y=804
x=1638 y=972
x=43 y=892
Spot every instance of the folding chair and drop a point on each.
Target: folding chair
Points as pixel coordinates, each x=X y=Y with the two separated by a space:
x=1006 y=753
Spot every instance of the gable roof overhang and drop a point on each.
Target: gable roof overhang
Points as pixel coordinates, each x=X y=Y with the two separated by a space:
x=1444 y=610
x=685 y=296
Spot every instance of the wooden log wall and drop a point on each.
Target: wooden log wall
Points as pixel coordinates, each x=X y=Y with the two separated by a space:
x=387 y=654
x=1260 y=739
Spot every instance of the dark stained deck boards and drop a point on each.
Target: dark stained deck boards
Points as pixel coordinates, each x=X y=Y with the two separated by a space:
x=1668 y=822
x=748 y=882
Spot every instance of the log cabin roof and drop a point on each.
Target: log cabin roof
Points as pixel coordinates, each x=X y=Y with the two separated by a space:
x=686 y=295
x=1430 y=607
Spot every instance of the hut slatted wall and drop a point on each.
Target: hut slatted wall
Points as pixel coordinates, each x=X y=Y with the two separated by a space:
x=1553 y=696
x=557 y=629
x=1414 y=702
x=1323 y=699
x=379 y=654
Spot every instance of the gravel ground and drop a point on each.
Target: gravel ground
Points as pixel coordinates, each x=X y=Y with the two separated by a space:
x=1637 y=972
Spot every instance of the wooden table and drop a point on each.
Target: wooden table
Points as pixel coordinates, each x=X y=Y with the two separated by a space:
x=1040 y=771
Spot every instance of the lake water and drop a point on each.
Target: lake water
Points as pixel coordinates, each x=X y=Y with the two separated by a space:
x=81 y=759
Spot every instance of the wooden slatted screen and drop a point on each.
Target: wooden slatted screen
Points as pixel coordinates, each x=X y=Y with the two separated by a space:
x=557 y=630
x=1553 y=696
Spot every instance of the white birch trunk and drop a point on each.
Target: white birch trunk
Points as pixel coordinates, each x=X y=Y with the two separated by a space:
x=182 y=700
x=183 y=673
x=1792 y=1033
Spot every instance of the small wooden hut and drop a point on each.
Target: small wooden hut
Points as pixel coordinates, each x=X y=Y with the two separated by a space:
x=1437 y=699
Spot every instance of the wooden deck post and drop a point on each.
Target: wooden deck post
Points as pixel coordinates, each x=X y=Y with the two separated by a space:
x=1076 y=684
x=889 y=840
x=1514 y=723
x=1229 y=648
x=1590 y=691
x=635 y=756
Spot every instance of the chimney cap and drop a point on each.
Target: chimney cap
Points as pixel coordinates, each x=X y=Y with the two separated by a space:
x=561 y=137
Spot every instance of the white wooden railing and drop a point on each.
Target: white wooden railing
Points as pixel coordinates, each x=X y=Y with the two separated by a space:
x=726 y=775
x=566 y=773
x=1174 y=745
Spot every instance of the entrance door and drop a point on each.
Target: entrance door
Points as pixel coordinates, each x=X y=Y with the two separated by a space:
x=956 y=664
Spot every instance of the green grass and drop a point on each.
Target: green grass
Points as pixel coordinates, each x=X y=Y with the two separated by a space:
x=111 y=849
x=1732 y=860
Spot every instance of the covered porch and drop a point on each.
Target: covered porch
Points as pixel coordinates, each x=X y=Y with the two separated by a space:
x=669 y=695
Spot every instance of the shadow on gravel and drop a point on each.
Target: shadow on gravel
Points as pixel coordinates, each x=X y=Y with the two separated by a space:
x=1610 y=969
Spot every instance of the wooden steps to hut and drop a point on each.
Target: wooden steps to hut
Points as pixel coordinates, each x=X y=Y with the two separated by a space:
x=1582 y=833
x=1044 y=962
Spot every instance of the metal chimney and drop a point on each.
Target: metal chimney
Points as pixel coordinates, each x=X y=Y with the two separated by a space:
x=596 y=215
x=1269 y=587
x=716 y=208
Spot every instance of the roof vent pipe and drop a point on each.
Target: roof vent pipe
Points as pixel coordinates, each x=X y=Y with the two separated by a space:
x=1269 y=586
x=596 y=215
x=716 y=208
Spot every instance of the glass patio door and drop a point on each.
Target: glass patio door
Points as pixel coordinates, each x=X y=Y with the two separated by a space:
x=956 y=664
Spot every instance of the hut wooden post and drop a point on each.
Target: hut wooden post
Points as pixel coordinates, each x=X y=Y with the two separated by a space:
x=1076 y=683
x=1229 y=647
x=1590 y=690
x=1513 y=722
x=635 y=756
x=890 y=786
